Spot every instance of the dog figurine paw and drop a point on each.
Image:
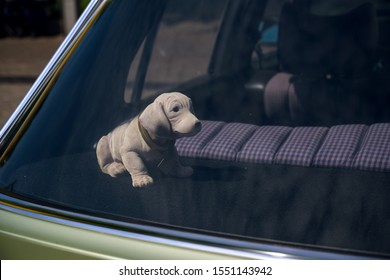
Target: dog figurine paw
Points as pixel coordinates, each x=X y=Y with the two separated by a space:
x=150 y=139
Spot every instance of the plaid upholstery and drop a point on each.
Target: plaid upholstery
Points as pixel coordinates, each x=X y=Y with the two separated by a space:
x=344 y=146
x=340 y=146
x=301 y=146
x=192 y=146
x=226 y=147
x=263 y=145
x=375 y=151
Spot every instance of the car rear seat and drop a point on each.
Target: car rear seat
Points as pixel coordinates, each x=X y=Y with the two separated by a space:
x=326 y=61
x=352 y=146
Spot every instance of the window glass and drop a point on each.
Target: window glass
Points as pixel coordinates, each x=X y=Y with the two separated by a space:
x=290 y=148
x=182 y=48
x=265 y=52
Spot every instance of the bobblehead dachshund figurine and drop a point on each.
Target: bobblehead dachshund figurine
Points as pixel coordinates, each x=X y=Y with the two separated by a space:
x=149 y=138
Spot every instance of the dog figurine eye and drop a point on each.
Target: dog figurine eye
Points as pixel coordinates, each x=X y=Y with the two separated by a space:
x=175 y=109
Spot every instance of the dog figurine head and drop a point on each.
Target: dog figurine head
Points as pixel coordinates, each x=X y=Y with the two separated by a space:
x=170 y=116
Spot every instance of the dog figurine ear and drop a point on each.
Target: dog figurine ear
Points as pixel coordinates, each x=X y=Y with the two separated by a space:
x=155 y=121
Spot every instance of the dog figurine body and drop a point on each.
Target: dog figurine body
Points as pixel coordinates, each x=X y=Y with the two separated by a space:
x=150 y=138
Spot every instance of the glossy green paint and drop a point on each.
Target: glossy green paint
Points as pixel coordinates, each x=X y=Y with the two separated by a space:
x=24 y=237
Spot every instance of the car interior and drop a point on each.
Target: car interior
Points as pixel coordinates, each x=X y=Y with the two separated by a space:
x=294 y=146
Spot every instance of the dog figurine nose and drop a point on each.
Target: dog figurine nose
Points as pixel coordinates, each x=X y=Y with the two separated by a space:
x=198 y=124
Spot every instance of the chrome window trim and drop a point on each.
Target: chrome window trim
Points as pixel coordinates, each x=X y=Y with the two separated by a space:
x=169 y=237
x=11 y=128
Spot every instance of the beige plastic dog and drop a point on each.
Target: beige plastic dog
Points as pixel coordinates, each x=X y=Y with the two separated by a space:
x=150 y=138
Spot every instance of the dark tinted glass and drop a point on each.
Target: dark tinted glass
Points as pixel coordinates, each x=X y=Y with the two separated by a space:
x=293 y=102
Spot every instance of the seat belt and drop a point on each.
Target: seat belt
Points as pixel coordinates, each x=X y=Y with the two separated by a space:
x=139 y=81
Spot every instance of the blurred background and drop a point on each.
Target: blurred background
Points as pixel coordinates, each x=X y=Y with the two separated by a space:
x=30 y=33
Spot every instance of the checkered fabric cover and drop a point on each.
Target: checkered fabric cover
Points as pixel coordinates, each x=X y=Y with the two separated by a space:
x=352 y=146
x=340 y=146
x=193 y=146
x=374 y=153
x=263 y=145
x=301 y=146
